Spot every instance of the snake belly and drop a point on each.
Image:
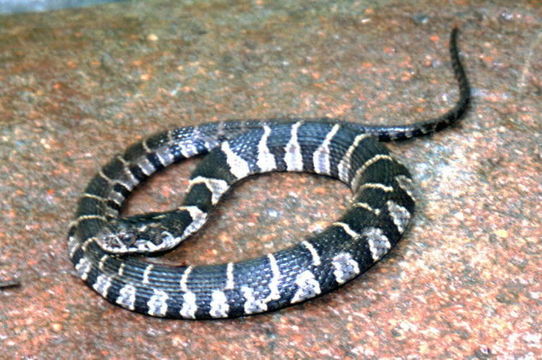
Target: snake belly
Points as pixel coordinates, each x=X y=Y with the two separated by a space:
x=105 y=248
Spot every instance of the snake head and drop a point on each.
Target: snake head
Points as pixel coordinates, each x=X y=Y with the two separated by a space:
x=150 y=233
x=138 y=234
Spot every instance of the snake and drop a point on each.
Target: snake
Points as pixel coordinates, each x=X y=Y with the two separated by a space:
x=109 y=250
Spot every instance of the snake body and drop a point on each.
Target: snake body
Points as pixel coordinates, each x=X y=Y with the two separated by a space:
x=106 y=248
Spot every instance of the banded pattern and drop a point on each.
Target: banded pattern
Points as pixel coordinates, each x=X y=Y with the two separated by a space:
x=101 y=244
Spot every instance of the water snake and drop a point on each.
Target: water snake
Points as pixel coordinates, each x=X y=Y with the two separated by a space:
x=106 y=249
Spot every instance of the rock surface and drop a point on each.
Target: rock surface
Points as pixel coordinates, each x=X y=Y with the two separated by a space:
x=79 y=85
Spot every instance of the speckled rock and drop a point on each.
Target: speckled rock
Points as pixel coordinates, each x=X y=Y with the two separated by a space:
x=77 y=86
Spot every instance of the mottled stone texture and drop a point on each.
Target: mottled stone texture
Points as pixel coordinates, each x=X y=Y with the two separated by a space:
x=77 y=86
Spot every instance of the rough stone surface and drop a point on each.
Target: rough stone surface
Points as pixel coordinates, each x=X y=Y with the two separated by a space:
x=77 y=86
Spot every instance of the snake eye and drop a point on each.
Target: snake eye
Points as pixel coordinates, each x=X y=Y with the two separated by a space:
x=128 y=238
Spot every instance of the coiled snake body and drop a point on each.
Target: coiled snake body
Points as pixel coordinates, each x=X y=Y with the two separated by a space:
x=104 y=247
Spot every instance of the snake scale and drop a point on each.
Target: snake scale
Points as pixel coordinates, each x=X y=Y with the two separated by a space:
x=107 y=249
